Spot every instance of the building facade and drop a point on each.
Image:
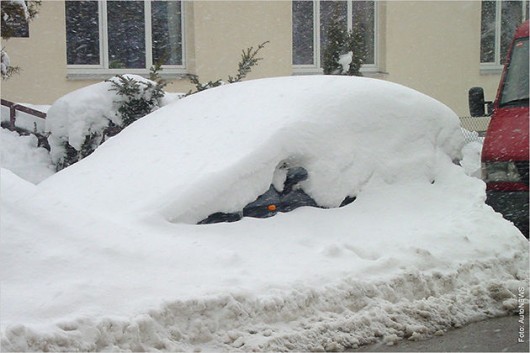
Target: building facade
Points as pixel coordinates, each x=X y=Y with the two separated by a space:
x=440 y=48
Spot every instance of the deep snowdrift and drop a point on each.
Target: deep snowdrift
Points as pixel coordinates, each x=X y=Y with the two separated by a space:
x=219 y=150
x=90 y=261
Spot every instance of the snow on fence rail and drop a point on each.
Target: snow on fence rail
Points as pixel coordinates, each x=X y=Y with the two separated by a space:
x=13 y=107
x=21 y=118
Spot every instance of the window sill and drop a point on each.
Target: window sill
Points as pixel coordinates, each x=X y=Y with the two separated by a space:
x=370 y=71
x=491 y=69
x=102 y=74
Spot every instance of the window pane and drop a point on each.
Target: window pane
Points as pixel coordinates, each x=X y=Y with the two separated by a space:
x=363 y=13
x=303 y=47
x=330 y=11
x=82 y=32
x=512 y=17
x=126 y=31
x=14 y=23
x=487 y=32
x=515 y=89
x=167 y=32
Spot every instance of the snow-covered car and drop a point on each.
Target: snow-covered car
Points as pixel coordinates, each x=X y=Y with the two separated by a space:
x=261 y=147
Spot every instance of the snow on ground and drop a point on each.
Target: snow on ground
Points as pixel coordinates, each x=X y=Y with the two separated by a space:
x=21 y=155
x=417 y=252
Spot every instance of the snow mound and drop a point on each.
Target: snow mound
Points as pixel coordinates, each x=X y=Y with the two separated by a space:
x=14 y=187
x=21 y=155
x=220 y=149
x=399 y=263
x=349 y=315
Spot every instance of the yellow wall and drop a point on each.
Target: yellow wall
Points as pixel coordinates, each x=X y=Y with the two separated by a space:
x=41 y=57
x=222 y=29
x=432 y=46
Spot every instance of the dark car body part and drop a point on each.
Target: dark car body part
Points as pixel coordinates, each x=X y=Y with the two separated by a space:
x=273 y=201
x=513 y=205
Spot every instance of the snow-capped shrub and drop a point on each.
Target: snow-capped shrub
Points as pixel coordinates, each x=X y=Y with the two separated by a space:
x=82 y=120
x=137 y=97
x=6 y=68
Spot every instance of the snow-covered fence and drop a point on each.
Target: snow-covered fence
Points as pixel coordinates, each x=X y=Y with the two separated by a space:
x=13 y=107
x=21 y=118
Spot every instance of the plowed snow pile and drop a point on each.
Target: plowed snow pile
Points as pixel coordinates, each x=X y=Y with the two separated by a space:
x=106 y=255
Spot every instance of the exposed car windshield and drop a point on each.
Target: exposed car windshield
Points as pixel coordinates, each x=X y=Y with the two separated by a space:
x=515 y=90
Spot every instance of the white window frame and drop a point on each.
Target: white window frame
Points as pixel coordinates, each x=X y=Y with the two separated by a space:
x=496 y=66
x=102 y=71
x=316 y=68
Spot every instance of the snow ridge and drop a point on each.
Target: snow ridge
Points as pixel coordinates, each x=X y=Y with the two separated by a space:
x=345 y=315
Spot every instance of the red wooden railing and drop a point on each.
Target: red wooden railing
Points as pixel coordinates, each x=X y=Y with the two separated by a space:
x=13 y=107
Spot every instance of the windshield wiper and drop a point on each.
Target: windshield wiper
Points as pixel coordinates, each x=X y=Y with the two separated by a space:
x=518 y=101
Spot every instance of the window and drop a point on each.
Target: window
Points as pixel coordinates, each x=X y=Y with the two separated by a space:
x=14 y=20
x=108 y=36
x=515 y=88
x=310 y=21
x=499 y=21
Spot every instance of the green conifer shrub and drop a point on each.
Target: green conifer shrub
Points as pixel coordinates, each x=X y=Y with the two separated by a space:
x=341 y=41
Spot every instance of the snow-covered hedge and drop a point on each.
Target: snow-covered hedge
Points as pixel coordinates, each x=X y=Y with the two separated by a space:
x=79 y=121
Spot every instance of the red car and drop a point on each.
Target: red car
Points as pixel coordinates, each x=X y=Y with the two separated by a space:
x=505 y=150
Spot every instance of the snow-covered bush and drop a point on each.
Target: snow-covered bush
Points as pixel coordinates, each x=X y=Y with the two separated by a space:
x=82 y=120
x=139 y=97
x=6 y=68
